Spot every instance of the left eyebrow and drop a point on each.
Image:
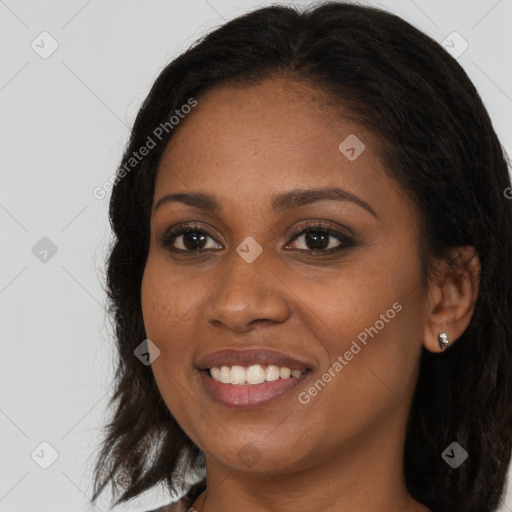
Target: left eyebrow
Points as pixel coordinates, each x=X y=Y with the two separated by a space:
x=302 y=197
x=280 y=202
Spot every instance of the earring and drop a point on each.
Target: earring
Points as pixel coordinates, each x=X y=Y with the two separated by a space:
x=443 y=340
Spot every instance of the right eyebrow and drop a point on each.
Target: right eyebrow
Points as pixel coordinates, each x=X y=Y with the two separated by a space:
x=198 y=199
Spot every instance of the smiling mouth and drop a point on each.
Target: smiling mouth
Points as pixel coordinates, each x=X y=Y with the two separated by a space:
x=253 y=374
x=256 y=390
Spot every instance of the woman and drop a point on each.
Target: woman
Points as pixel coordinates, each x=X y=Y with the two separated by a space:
x=310 y=278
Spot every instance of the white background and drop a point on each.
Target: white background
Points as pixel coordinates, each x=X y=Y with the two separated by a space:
x=64 y=123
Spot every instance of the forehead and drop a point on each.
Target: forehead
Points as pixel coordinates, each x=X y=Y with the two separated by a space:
x=275 y=132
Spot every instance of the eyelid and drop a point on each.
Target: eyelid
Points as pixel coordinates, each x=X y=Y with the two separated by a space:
x=322 y=225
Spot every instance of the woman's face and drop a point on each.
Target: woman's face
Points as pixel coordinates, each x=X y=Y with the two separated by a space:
x=346 y=305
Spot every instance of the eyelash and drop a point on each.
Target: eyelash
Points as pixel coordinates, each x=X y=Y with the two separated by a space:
x=347 y=241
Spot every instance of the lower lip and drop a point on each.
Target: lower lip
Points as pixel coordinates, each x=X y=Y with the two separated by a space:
x=249 y=395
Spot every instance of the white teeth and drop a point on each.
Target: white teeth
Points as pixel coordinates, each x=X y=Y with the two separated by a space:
x=215 y=373
x=284 y=372
x=238 y=375
x=254 y=374
x=272 y=372
x=225 y=374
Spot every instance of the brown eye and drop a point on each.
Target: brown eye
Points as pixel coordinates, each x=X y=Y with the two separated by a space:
x=188 y=239
x=321 y=239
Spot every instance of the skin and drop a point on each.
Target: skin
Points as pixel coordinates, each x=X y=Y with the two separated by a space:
x=343 y=450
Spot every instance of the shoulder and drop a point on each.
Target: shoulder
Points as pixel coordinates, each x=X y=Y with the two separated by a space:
x=177 y=506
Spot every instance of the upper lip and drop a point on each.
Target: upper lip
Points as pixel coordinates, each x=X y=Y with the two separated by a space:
x=248 y=357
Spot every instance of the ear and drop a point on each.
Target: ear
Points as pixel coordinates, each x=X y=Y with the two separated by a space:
x=451 y=297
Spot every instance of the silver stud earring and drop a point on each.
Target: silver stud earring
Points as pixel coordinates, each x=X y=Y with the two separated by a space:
x=443 y=340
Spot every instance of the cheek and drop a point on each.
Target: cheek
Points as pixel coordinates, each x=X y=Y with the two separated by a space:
x=167 y=308
x=343 y=305
x=168 y=312
x=167 y=302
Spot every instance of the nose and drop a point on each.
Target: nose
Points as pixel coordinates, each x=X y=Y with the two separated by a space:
x=248 y=294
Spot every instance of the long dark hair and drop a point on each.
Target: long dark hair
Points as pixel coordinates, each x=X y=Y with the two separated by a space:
x=439 y=145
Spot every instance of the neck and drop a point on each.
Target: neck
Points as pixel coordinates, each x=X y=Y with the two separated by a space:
x=366 y=474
